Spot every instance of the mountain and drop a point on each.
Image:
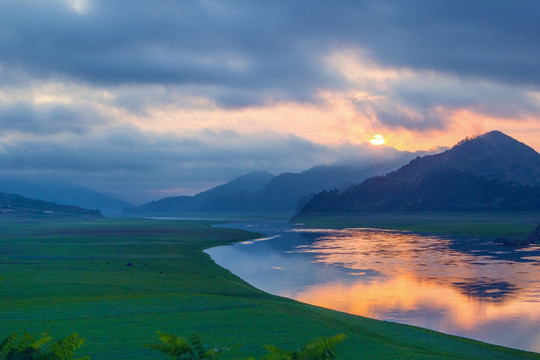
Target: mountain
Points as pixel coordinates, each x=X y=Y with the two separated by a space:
x=63 y=193
x=489 y=172
x=493 y=155
x=249 y=182
x=286 y=191
x=261 y=192
x=16 y=206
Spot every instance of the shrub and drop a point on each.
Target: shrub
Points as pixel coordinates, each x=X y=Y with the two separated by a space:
x=29 y=348
x=318 y=349
x=179 y=349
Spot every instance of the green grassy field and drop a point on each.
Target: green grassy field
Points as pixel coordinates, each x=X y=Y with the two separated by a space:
x=485 y=224
x=117 y=282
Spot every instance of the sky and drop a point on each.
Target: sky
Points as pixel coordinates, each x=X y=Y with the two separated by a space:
x=146 y=99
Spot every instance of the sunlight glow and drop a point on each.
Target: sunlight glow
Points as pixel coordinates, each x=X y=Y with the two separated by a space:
x=377 y=140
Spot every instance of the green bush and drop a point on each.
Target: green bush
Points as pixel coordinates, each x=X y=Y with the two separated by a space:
x=178 y=348
x=43 y=348
x=318 y=349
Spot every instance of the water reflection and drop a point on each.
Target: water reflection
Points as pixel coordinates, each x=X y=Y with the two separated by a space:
x=466 y=287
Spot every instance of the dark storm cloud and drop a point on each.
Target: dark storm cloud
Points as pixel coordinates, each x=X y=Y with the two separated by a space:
x=226 y=45
x=261 y=50
x=496 y=40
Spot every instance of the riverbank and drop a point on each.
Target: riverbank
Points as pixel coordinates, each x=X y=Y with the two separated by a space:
x=117 y=282
x=472 y=224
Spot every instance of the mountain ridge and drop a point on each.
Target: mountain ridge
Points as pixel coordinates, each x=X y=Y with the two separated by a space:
x=489 y=172
x=278 y=194
x=494 y=155
x=251 y=181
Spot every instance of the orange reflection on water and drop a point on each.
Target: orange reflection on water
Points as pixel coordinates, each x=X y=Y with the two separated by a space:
x=383 y=297
x=424 y=281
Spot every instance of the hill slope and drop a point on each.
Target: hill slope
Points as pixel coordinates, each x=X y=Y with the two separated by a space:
x=63 y=193
x=493 y=155
x=489 y=172
x=12 y=205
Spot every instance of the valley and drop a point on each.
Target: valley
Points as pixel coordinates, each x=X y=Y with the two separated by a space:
x=74 y=276
x=118 y=280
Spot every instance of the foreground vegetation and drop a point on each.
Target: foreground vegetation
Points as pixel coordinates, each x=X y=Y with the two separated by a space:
x=42 y=348
x=116 y=282
x=174 y=347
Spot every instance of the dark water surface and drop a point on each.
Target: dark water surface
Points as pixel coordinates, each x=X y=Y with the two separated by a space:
x=467 y=287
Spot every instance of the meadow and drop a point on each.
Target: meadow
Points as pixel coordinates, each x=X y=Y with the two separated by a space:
x=118 y=281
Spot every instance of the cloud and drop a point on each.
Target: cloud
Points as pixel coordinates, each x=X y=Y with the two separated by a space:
x=422 y=103
x=238 y=54
x=265 y=45
x=420 y=100
x=496 y=41
x=138 y=165
x=232 y=46
x=46 y=119
x=136 y=96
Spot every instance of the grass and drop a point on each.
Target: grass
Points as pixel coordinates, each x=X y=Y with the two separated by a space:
x=117 y=282
x=475 y=224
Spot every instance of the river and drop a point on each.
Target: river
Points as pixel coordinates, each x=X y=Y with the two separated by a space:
x=461 y=286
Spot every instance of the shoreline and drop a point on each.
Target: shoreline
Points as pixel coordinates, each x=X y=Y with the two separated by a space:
x=471 y=224
x=466 y=246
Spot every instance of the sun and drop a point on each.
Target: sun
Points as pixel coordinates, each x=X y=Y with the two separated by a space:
x=377 y=140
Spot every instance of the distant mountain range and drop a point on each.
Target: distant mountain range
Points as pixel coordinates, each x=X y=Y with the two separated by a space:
x=63 y=193
x=250 y=182
x=261 y=192
x=16 y=206
x=489 y=172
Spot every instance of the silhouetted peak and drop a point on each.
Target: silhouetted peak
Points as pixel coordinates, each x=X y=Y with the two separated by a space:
x=493 y=154
x=495 y=144
x=495 y=135
x=492 y=171
x=493 y=138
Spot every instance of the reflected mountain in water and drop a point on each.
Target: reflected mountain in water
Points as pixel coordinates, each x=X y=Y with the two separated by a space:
x=486 y=289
